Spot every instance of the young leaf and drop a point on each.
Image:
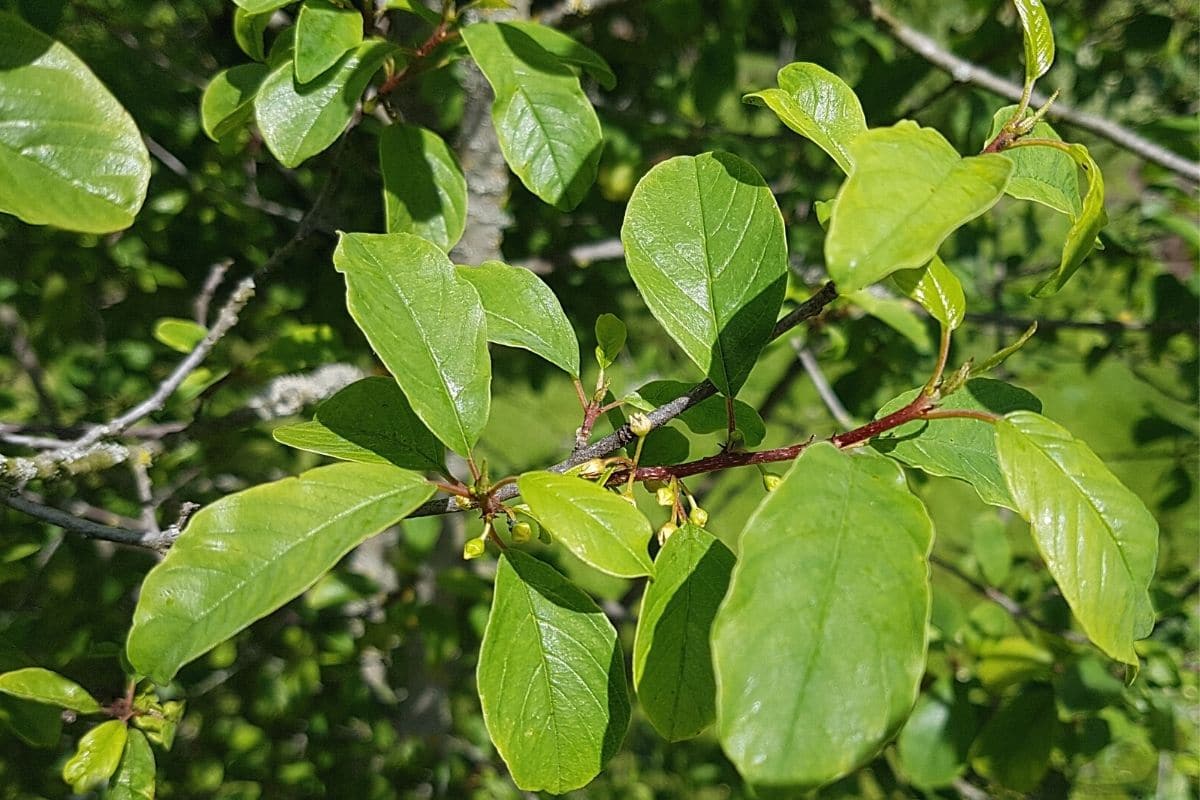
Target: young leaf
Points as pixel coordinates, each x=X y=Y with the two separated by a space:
x=1001 y=355
x=297 y=122
x=43 y=686
x=1039 y=38
x=610 y=339
x=134 y=779
x=181 y=335
x=1082 y=236
x=248 y=32
x=551 y=678
x=1096 y=537
x=705 y=245
x=820 y=644
x=958 y=448
x=936 y=289
x=427 y=325
x=247 y=554
x=568 y=50
x=548 y=131
x=522 y=311
x=707 y=416
x=672 y=658
x=932 y=749
x=324 y=33
x=908 y=192
x=70 y=155
x=369 y=421
x=819 y=105
x=1044 y=175
x=595 y=524
x=228 y=100
x=1014 y=747
x=424 y=190
x=96 y=757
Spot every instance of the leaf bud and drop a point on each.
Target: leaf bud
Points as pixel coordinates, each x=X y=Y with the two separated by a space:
x=771 y=482
x=698 y=517
x=665 y=496
x=640 y=424
x=522 y=532
x=474 y=548
x=665 y=532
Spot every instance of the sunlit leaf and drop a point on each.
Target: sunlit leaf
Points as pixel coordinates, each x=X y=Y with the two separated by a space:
x=1039 y=38
x=228 y=101
x=134 y=779
x=936 y=289
x=610 y=339
x=424 y=190
x=261 y=6
x=43 y=686
x=1081 y=239
x=96 y=757
x=1044 y=175
x=324 y=33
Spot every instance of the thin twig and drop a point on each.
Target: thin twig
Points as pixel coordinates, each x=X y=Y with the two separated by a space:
x=1110 y=325
x=145 y=491
x=216 y=274
x=90 y=530
x=828 y=395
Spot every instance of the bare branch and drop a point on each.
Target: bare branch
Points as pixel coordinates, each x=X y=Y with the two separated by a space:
x=828 y=395
x=145 y=491
x=566 y=9
x=91 y=530
x=216 y=274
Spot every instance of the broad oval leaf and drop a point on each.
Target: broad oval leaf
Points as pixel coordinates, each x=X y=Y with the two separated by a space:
x=248 y=32
x=523 y=312
x=369 y=421
x=548 y=131
x=228 y=100
x=820 y=644
x=134 y=779
x=1082 y=236
x=705 y=244
x=247 y=554
x=909 y=190
x=43 y=686
x=818 y=105
x=1097 y=538
x=324 y=33
x=427 y=325
x=1043 y=175
x=936 y=289
x=958 y=448
x=300 y=120
x=551 y=678
x=1039 y=38
x=1014 y=747
x=70 y=154
x=568 y=50
x=707 y=416
x=96 y=757
x=595 y=524
x=672 y=657
x=424 y=190
x=933 y=747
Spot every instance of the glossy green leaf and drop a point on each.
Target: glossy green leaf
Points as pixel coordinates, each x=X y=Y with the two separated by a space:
x=707 y=416
x=181 y=335
x=595 y=524
x=548 y=130
x=35 y=724
x=610 y=339
x=70 y=155
x=523 y=312
x=551 y=678
x=568 y=50
x=1013 y=749
x=247 y=554
x=909 y=191
x=414 y=7
x=1044 y=175
x=1081 y=239
x=1039 y=38
x=705 y=245
x=369 y=421
x=958 y=448
x=248 y=32
x=324 y=33
x=228 y=101
x=933 y=747
x=134 y=779
x=261 y=6
x=1097 y=538
x=672 y=657
x=896 y=314
x=818 y=105
x=936 y=289
x=424 y=190
x=820 y=644
x=427 y=325
x=300 y=120
x=43 y=686
x=96 y=757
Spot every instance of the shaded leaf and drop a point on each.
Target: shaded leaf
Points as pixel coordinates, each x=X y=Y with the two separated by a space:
x=228 y=100
x=1039 y=38
x=1082 y=236
x=896 y=314
x=36 y=724
x=135 y=775
x=424 y=190
x=43 y=686
x=248 y=31
x=1013 y=749
x=96 y=757
x=324 y=33
x=933 y=746
x=568 y=50
x=936 y=289
x=1044 y=175
x=610 y=339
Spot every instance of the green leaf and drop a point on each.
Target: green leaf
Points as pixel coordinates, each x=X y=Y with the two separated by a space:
x=992 y=549
x=896 y=314
x=958 y=448
x=934 y=744
x=568 y=50
x=35 y=724
x=909 y=191
x=261 y=6
x=705 y=245
x=1096 y=537
x=820 y=644
x=43 y=686
x=610 y=339
x=707 y=416
x=548 y=131
x=1044 y=175
x=597 y=525
x=369 y=421
x=1010 y=661
x=247 y=554
x=299 y=121
x=551 y=678
x=1039 y=38
x=228 y=100
x=135 y=775
x=522 y=311
x=424 y=190
x=1001 y=355
x=70 y=155
x=672 y=657
x=324 y=33
x=181 y=335
x=248 y=31
x=414 y=7
x=818 y=105
x=1013 y=749
x=936 y=289
x=427 y=325
x=1082 y=236
x=96 y=757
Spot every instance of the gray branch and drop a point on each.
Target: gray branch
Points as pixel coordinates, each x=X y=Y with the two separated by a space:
x=91 y=530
